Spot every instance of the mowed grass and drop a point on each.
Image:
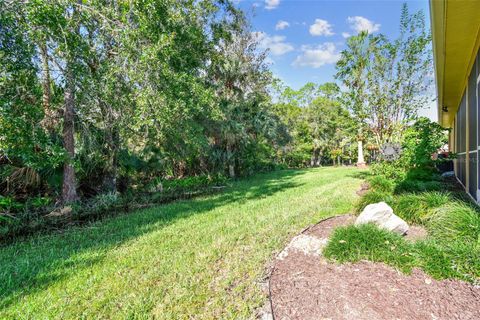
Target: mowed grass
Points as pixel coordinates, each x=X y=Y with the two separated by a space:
x=200 y=259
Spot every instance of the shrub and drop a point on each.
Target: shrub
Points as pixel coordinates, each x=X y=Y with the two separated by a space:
x=421 y=140
x=423 y=174
x=391 y=170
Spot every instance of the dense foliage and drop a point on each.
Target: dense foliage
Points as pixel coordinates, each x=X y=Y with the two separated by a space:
x=111 y=96
x=421 y=141
x=420 y=145
x=107 y=104
x=320 y=125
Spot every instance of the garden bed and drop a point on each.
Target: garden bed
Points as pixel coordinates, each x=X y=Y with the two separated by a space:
x=305 y=285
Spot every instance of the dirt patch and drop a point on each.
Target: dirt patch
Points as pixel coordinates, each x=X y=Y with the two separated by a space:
x=416 y=233
x=306 y=286
x=324 y=228
x=363 y=189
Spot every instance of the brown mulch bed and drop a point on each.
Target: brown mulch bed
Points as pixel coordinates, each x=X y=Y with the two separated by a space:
x=306 y=286
x=363 y=189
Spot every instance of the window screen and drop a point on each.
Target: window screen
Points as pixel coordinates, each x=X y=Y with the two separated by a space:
x=472 y=174
x=461 y=168
x=476 y=89
x=472 y=110
x=461 y=140
x=461 y=126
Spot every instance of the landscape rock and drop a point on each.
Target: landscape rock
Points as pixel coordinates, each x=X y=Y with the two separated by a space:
x=381 y=214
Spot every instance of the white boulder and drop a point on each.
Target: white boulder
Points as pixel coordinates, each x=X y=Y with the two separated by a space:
x=381 y=214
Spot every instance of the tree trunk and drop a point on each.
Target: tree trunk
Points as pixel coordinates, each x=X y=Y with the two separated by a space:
x=69 y=188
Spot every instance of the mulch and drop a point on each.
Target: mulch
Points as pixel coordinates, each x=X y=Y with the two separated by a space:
x=307 y=286
x=363 y=189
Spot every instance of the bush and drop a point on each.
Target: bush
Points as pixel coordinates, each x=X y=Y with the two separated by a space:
x=391 y=170
x=423 y=174
x=421 y=140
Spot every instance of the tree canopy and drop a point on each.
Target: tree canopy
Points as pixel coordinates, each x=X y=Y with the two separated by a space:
x=117 y=97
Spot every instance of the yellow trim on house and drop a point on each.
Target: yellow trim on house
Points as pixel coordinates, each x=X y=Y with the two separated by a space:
x=456 y=40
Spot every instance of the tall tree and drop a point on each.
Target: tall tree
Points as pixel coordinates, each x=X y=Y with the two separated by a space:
x=387 y=81
x=352 y=70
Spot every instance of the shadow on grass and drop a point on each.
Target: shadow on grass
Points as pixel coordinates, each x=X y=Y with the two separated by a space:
x=361 y=174
x=32 y=265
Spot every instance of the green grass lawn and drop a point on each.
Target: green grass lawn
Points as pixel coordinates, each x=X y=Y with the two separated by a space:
x=201 y=258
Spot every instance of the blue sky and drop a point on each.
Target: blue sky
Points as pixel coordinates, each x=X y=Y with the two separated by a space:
x=304 y=37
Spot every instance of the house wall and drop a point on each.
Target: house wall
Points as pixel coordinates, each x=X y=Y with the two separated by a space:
x=465 y=134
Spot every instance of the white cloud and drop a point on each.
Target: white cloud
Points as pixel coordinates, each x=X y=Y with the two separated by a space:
x=321 y=28
x=346 y=35
x=317 y=56
x=271 y=4
x=282 y=25
x=358 y=24
x=276 y=44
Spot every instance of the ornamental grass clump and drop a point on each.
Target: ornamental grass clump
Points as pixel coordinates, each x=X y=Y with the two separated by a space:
x=456 y=221
x=368 y=242
x=417 y=208
x=381 y=183
x=373 y=196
